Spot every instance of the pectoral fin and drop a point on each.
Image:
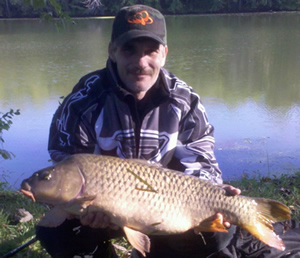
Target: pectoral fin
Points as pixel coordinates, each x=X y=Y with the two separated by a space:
x=53 y=217
x=211 y=224
x=138 y=240
x=79 y=206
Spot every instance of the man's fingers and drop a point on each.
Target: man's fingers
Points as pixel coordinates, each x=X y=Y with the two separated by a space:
x=87 y=219
x=100 y=220
x=231 y=190
x=97 y=220
x=113 y=226
x=226 y=224
x=221 y=218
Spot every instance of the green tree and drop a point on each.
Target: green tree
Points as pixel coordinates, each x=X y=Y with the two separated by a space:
x=5 y=124
x=64 y=9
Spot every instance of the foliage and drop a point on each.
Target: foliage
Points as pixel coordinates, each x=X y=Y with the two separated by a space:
x=285 y=188
x=48 y=9
x=5 y=124
x=14 y=233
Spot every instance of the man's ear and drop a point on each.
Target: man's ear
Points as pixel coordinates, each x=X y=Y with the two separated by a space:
x=111 y=51
x=164 y=55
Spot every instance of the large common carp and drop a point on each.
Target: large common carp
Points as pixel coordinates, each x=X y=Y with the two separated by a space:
x=146 y=199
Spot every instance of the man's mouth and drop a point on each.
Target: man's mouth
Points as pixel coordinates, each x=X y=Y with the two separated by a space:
x=139 y=72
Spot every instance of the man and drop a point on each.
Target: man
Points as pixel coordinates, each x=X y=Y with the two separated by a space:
x=134 y=108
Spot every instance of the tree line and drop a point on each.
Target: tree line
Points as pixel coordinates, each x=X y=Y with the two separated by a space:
x=86 y=8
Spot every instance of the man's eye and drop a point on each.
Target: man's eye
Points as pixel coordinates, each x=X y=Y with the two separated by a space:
x=152 y=51
x=128 y=49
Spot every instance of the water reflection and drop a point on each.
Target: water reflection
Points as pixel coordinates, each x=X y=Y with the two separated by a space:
x=237 y=57
x=245 y=67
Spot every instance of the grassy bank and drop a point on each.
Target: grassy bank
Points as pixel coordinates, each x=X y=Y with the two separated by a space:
x=13 y=233
x=285 y=188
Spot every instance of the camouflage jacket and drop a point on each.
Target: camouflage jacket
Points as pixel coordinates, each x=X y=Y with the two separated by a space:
x=168 y=126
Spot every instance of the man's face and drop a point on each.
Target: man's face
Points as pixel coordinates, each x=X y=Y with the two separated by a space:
x=138 y=63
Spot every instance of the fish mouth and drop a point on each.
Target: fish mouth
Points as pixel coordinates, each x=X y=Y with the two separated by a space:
x=26 y=190
x=29 y=194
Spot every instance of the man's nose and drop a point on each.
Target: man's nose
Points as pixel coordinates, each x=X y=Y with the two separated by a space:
x=142 y=60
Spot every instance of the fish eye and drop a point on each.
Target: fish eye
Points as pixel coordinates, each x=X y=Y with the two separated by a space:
x=46 y=175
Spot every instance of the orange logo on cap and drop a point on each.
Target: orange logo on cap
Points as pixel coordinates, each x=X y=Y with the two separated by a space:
x=140 y=17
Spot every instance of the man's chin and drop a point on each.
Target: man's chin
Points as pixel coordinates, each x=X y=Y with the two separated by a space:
x=138 y=86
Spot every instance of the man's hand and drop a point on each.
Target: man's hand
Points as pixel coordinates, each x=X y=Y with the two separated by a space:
x=230 y=191
x=97 y=220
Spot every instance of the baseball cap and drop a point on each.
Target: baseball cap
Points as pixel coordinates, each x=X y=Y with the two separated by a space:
x=139 y=21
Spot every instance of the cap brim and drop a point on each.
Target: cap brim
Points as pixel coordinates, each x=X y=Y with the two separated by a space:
x=133 y=34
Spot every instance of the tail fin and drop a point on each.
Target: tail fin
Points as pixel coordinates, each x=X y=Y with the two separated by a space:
x=273 y=210
x=268 y=212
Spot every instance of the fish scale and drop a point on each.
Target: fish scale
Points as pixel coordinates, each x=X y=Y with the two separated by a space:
x=170 y=196
x=145 y=198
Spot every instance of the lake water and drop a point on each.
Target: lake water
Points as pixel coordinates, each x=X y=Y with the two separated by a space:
x=245 y=68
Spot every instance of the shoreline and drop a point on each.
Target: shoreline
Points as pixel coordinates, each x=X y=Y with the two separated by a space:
x=166 y=15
